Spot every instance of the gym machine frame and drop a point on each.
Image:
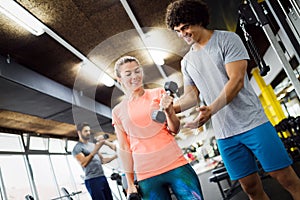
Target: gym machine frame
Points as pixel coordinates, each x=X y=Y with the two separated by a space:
x=263 y=22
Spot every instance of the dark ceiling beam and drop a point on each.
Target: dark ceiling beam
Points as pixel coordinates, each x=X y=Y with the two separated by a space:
x=13 y=71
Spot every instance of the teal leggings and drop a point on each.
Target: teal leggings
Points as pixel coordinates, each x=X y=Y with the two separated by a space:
x=183 y=181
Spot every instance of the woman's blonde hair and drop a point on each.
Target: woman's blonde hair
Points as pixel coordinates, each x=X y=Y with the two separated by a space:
x=121 y=61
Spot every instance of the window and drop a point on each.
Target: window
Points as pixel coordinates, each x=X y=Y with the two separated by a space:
x=57 y=146
x=11 y=142
x=43 y=177
x=62 y=173
x=78 y=176
x=38 y=143
x=15 y=176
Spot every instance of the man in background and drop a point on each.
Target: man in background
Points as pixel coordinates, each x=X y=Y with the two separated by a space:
x=91 y=160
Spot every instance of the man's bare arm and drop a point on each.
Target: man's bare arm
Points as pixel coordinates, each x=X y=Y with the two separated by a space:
x=189 y=99
x=85 y=160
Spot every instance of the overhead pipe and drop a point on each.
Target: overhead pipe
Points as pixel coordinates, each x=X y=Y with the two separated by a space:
x=141 y=34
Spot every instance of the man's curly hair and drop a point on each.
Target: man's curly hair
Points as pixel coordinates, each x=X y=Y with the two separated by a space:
x=194 y=12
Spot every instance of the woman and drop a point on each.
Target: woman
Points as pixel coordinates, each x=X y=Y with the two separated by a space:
x=148 y=148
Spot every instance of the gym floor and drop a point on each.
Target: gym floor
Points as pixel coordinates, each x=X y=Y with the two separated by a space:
x=271 y=186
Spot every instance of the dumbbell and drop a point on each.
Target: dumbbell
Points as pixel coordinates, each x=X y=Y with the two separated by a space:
x=116 y=177
x=134 y=196
x=159 y=115
x=29 y=197
x=101 y=137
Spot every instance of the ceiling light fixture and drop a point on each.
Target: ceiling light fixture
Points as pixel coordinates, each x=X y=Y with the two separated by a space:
x=21 y=16
x=157 y=57
x=107 y=80
x=94 y=72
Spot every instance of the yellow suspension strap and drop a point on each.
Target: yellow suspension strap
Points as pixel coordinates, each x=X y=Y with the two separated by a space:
x=269 y=101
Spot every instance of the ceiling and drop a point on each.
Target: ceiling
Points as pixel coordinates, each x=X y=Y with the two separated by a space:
x=46 y=88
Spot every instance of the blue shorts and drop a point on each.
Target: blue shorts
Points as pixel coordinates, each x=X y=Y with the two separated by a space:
x=239 y=152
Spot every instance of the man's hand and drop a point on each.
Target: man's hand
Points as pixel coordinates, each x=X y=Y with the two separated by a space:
x=98 y=145
x=202 y=118
x=102 y=137
x=84 y=159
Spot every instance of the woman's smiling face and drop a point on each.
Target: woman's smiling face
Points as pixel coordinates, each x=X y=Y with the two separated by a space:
x=131 y=76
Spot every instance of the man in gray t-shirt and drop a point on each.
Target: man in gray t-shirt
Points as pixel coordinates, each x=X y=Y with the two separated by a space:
x=216 y=65
x=91 y=160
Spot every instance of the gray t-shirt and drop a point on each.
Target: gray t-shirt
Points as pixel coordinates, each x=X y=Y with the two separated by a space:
x=205 y=68
x=94 y=168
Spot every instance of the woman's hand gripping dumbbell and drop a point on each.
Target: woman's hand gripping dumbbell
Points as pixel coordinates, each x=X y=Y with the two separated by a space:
x=165 y=103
